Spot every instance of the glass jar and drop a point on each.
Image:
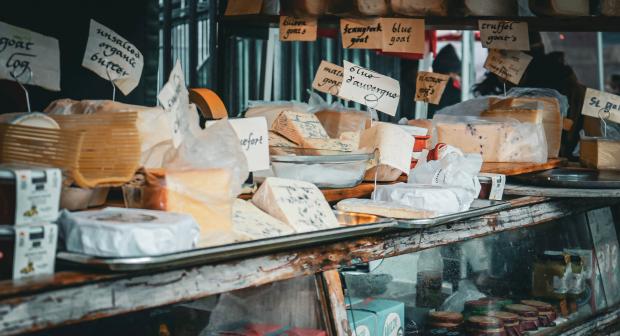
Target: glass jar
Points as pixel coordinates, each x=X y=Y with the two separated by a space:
x=485 y=326
x=511 y=321
x=528 y=316
x=429 y=279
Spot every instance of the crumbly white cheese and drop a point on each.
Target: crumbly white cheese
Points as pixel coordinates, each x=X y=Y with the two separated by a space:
x=253 y=222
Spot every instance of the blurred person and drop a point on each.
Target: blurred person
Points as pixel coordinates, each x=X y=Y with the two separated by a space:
x=448 y=63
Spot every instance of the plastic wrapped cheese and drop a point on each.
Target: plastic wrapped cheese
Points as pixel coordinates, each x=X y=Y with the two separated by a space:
x=382 y=208
x=496 y=139
x=118 y=232
x=296 y=203
x=441 y=200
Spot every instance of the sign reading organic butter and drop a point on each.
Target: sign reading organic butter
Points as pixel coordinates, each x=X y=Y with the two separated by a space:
x=600 y=104
x=328 y=78
x=430 y=87
x=504 y=35
x=29 y=57
x=243 y=7
x=361 y=33
x=113 y=58
x=507 y=64
x=296 y=29
x=403 y=35
x=370 y=88
x=254 y=140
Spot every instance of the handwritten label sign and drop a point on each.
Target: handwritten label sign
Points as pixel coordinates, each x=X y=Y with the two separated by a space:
x=504 y=35
x=403 y=35
x=254 y=140
x=430 y=87
x=600 y=104
x=243 y=7
x=328 y=78
x=361 y=33
x=370 y=88
x=29 y=57
x=295 y=29
x=507 y=64
x=113 y=58
x=174 y=97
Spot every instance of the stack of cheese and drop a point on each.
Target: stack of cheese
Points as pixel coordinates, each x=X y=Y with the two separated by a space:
x=304 y=130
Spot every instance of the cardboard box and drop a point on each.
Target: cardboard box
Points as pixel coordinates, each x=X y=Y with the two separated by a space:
x=390 y=315
x=600 y=153
x=363 y=323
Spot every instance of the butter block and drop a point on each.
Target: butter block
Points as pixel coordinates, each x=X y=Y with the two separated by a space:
x=296 y=203
x=253 y=222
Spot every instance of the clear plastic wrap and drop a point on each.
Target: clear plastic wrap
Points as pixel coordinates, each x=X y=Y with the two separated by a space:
x=496 y=139
x=337 y=119
x=518 y=92
x=442 y=200
x=271 y=109
x=282 y=306
x=467 y=292
x=453 y=169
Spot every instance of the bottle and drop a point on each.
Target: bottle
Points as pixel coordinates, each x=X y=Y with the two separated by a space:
x=429 y=279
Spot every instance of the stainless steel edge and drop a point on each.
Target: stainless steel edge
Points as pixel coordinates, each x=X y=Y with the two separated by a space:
x=493 y=206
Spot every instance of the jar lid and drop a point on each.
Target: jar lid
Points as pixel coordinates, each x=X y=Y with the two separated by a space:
x=506 y=317
x=541 y=306
x=485 y=322
x=445 y=316
x=522 y=310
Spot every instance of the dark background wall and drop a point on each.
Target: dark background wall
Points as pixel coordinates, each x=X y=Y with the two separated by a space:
x=68 y=21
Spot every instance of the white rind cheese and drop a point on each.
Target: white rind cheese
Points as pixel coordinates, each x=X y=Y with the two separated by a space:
x=253 y=222
x=296 y=203
x=381 y=208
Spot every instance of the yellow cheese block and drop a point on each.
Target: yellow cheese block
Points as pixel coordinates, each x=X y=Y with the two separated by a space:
x=526 y=116
x=204 y=194
x=600 y=153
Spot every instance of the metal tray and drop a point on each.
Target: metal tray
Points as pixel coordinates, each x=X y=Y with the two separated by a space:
x=309 y=156
x=478 y=208
x=354 y=225
x=578 y=178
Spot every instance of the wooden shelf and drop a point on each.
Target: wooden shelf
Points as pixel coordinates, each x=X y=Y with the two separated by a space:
x=71 y=297
x=543 y=24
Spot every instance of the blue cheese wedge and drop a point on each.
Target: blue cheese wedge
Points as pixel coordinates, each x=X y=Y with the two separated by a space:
x=296 y=203
x=251 y=221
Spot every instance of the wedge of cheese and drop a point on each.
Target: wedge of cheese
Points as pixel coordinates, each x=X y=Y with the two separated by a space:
x=338 y=122
x=392 y=147
x=202 y=193
x=551 y=118
x=381 y=208
x=298 y=204
x=496 y=141
x=251 y=221
x=306 y=131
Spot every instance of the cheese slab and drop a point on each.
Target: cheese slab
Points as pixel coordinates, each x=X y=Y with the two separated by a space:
x=297 y=126
x=253 y=222
x=296 y=203
x=393 y=144
x=522 y=115
x=496 y=141
x=382 y=208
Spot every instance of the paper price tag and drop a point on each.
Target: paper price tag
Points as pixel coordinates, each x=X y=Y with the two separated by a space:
x=174 y=97
x=600 y=104
x=296 y=29
x=403 y=35
x=29 y=57
x=254 y=140
x=504 y=35
x=430 y=87
x=328 y=78
x=361 y=33
x=509 y=65
x=112 y=57
x=243 y=7
x=370 y=88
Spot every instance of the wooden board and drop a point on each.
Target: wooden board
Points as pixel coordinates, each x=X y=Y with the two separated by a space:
x=510 y=169
x=53 y=304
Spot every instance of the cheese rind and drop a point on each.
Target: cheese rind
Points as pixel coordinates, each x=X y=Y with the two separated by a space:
x=381 y=208
x=253 y=222
x=297 y=126
x=296 y=203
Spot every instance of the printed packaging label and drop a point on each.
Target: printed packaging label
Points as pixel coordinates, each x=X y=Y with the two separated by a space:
x=37 y=198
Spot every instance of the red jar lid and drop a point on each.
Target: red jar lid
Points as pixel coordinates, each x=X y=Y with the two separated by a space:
x=484 y=322
x=506 y=317
x=539 y=305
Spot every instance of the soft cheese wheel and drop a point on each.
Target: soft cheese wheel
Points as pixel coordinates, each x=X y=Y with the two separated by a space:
x=382 y=208
x=253 y=222
x=296 y=203
x=205 y=194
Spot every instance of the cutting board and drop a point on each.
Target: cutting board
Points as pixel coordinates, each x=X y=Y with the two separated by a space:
x=510 y=169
